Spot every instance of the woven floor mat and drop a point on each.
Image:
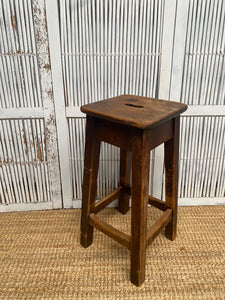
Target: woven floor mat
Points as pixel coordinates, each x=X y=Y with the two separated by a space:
x=41 y=258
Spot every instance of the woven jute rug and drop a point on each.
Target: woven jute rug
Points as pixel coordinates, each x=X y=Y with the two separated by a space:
x=41 y=258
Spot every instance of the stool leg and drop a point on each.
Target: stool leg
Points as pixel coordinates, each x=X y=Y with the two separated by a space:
x=89 y=189
x=125 y=162
x=140 y=182
x=171 y=184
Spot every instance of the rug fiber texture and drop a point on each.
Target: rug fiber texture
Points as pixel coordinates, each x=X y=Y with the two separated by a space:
x=41 y=257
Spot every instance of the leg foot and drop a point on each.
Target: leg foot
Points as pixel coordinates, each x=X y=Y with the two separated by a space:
x=137 y=278
x=86 y=240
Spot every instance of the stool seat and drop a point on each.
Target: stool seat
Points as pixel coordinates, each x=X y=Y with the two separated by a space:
x=136 y=125
x=135 y=111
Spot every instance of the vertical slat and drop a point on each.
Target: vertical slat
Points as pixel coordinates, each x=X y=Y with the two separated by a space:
x=73 y=65
x=146 y=48
x=41 y=158
x=28 y=164
x=80 y=151
x=202 y=77
x=215 y=166
x=5 y=170
x=219 y=45
x=181 y=160
x=163 y=80
x=213 y=48
x=72 y=165
x=65 y=46
x=7 y=48
x=30 y=154
x=221 y=171
x=10 y=153
x=62 y=39
x=88 y=57
x=198 y=161
x=23 y=46
x=3 y=190
x=34 y=71
x=150 y=50
x=220 y=189
x=129 y=47
x=208 y=155
x=15 y=132
x=194 y=176
x=155 y=56
x=8 y=59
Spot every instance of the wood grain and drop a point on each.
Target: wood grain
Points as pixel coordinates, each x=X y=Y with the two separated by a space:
x=91 y=163
x=139 y=203
x=135 y=111
x=109 y=230
x=157 y=227
x=171 y=178
x=125 y=167
x=108 y=199
x=157 y=203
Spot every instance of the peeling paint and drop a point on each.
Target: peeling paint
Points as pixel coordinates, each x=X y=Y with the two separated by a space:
x=14 y=23
x=6 y=162
x=23 y=163
x=25 y=144
x=43 y=56
x=47 y=66
x=39 y=149
x=50 y=94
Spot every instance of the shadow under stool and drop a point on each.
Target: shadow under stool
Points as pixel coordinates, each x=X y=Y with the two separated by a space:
x=136 y=125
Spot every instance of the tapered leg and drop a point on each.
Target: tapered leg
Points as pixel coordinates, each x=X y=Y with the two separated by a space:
x=91 y=163
x=171 y=172
x=125 y=162
x=140 y=181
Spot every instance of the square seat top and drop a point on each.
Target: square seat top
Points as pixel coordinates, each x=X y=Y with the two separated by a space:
x=135 y=111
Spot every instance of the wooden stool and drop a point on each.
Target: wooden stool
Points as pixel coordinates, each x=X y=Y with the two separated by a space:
x=137 y=125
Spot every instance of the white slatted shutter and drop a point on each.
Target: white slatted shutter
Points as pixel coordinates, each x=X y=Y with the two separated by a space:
x=29 y=168
x=99 y=49
x=198 y=79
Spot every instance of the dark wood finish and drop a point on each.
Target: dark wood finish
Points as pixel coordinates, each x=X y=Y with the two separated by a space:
x=135 y=111
x=108 y=199
x=121 y=135
x=157 y=203
x=157 y=227
x=160 y=134
x=129 y=190
x=125 y=163
x=91 y=163
x=136 y=125
x=171 y=180
x=139 y=204
x=114 y=134
x=111 y=231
